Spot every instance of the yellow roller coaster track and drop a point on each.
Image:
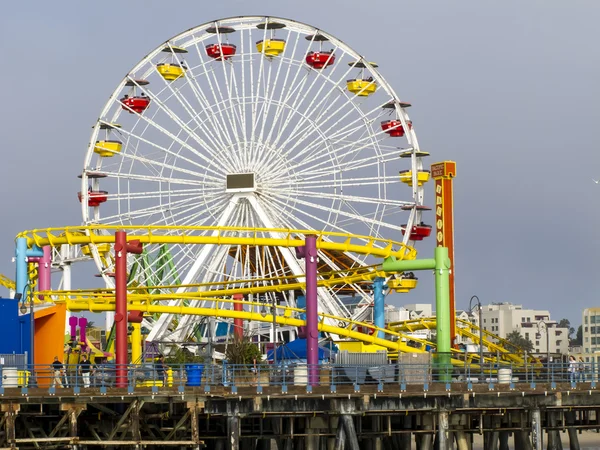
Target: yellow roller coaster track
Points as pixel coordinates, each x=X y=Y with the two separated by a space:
x=287 y=316
x=494 y=343
x=101 y=300
x=364 y=245
x=7 y=282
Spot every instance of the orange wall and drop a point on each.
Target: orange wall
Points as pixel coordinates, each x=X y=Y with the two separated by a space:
x=49 y=334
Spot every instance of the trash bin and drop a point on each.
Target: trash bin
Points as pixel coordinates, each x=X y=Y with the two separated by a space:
x=23 y=377
x=10 y=377
x=194 y=374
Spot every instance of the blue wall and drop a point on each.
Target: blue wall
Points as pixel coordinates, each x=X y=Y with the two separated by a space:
x=15 y=331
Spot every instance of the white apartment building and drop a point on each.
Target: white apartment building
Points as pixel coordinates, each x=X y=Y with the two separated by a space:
x=534 y=325
x=590 y=327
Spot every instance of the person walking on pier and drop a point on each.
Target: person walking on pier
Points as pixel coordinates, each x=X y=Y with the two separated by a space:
x=581 y=369
x=85 y=367
x=57 y=369
x=572 y=368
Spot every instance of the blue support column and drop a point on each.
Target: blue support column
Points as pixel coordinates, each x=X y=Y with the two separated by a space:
x=379 y=304
x=21 y=255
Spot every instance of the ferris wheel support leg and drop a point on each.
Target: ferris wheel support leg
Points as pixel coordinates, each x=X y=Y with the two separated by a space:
x=379 y=304
x=309 y=253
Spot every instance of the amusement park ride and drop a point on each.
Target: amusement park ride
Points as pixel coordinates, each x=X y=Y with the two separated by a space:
x=219 y=154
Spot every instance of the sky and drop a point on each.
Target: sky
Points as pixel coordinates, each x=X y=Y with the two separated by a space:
x=507 y=89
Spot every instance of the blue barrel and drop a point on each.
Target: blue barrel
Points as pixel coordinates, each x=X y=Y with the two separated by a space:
x=194 y=374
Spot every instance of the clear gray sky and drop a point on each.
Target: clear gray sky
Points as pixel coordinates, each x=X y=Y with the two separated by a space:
x=510 y=90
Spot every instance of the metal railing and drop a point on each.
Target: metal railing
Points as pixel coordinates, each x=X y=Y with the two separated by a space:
x=284 y=375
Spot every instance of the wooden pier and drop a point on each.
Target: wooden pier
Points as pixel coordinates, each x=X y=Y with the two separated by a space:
x=371 y=417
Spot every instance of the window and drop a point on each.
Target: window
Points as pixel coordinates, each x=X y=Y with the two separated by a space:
x=587 y=359
x=587 y=350
x=529 y=319
x=587 y=339
x=586 y=329
x=558 y=343
x=537 y=343
x=526 y=335
x=593 y=330
x=522 y=319
x=593 y=341
x=592 y=319
x=586 y=320
x=485 y=320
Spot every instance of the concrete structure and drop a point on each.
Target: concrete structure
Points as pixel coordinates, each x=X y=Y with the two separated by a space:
x=503 y=318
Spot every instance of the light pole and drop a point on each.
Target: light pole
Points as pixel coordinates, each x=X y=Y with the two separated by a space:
x=545 y=327
x=480 y=333
x=274 y=313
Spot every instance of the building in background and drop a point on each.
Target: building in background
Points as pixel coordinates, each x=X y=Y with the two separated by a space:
x=590 y=336
x=534 y=325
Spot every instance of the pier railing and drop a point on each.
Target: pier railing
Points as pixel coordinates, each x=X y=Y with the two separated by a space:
x=287 y=374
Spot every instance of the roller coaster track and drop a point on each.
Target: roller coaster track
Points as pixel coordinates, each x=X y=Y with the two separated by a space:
x=494 y=343
x=364 y=245
x=7 y=282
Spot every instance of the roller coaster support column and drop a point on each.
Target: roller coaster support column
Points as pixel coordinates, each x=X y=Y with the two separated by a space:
x=238 y=324
x=379 y=304
x=441 y=265
x=121 y=250
x=22 y=255
x=309 y=252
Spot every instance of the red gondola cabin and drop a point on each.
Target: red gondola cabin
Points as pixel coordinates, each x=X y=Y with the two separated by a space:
x=319 y=60
x=95 y=198
x=394 y=127
x=217 y=51
x=418 y=232
x=135 y=104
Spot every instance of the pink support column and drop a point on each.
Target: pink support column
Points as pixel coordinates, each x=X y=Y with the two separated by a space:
x=309 y=253
x=121 y=308
x=238 y=324
x=44 y=270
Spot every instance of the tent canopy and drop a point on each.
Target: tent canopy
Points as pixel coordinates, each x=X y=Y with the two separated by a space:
x=295 y=350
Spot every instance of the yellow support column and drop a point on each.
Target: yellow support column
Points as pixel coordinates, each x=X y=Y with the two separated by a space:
x=136 y=343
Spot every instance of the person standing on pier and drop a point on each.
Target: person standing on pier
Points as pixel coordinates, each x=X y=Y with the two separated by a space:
x=572 y=368
x=85 y=367
x=57 y=369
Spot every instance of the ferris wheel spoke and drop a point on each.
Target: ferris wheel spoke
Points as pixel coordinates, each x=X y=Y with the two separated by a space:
x=178 y=121
x=212 y=167
x=149 y=211
x=349 y=198
x=226 y=126
x=140 y=177
x=339 y=132
x=269 y=94
x=322 y=99
x=317 y=207
x=284 y=91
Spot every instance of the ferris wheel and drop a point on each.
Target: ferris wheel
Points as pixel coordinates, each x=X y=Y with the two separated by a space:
x=256 y=122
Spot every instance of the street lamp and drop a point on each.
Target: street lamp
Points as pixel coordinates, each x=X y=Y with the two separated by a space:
x=545 y=327
x=263 y=313
x=480 y=333
x=23 y=309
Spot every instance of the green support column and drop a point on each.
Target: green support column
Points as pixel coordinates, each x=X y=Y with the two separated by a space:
x=442 y=311
x=441 y=265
